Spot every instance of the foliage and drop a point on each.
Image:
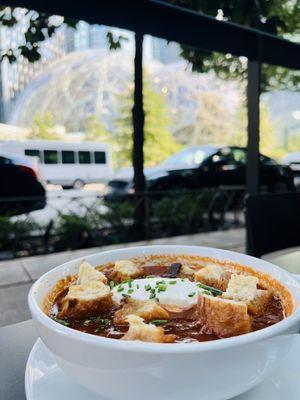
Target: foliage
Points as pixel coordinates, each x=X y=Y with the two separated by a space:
x=272 y=16
x=270 y=143
x=95 y=130
x=15 y=231
x=293 y=142
x=43 y=127
x=39 y=28
x=74 y=231
x=213 y=124
x=159 y=142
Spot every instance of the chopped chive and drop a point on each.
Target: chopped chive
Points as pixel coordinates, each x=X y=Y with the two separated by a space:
x=192 y=294
x=137 y=286
x=172 y=282
x=125 y=295
x=160 y=282
x=61 y=321
x=111 y=284
x=97 y=330
x=147 y=287
x=130 y=291
x=120 y=289
x=214 y=291
x=87 y=322
x=162 y=288
x=207 y=292
x=158 y=321
x=152 y=296
x=152 y=291
x=150 y=276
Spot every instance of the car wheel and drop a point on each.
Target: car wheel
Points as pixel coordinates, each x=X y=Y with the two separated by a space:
x=78 y=184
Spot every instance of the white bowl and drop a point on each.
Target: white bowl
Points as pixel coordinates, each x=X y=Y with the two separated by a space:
x=212 y=370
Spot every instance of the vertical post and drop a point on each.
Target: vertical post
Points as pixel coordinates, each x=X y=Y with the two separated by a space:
x=253 y=92
x=138 y=118
x=252 y=170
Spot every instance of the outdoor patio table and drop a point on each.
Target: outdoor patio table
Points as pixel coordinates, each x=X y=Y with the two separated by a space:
x=288 y=259
x=16 y=342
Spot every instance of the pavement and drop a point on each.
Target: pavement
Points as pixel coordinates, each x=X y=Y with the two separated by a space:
x=17 y=276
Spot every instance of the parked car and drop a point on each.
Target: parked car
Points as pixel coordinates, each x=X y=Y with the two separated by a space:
x=21 y=187
x=205 y=166
x=293 y=161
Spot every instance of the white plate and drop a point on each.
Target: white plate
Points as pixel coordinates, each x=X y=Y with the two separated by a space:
x=44 y=380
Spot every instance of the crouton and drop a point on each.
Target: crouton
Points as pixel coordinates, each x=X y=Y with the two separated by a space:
x=244 y=288
x=138 y=330
x=90 y=298
x=213 y=275
x=147 y=309
x=89 y=273
x=125 y=269
x=187 y=272
x=222 y=317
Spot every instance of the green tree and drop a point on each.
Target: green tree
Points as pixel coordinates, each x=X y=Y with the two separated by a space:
x=214 y=123
x=159 y=142
x=43 y=127
x=95 y=130
x=270 y=143
x=272 y=16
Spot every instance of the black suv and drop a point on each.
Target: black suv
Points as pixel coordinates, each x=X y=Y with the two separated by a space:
x=205 y=166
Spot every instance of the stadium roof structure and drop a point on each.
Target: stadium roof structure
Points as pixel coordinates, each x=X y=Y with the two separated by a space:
x=181 y=25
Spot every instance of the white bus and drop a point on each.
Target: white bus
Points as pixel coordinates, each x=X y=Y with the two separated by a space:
x=64 y=163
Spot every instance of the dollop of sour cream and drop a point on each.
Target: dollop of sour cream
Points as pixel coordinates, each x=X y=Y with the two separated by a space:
x=177 y=292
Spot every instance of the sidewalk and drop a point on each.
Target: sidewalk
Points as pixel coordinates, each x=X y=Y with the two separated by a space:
x=17 y=276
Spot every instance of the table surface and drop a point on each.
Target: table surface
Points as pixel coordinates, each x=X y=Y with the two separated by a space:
x=288 y=259
x=16 y=342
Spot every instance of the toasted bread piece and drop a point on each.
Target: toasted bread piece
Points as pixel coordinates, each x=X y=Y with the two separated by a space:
x=222 y=317
x=85 y=300
x=213 y=275
x=88 y=273
x=187 y=272
x=147 y=309
x=138 y=330
x=125 y=269
x=244 y=288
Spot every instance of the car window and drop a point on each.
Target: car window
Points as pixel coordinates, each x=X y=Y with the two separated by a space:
x=100 y=157
x=84 y=157
x=224 y=156
x=266 y=160
x=50 y=157
x=32 y=153
x=187 y=158
x=240 y=156
x=68 y=157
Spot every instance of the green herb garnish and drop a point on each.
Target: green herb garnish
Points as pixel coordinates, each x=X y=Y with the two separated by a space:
x=120 y=289
x=152 y=296
x=125 y=295
x=111 y=284
x=172 y=282
x=61 y=321
x=130 y=291
x=214 y=291
x=192 y=294
x=147 y=287
x=87 y=322
x=158 y=321
x=162 y=287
